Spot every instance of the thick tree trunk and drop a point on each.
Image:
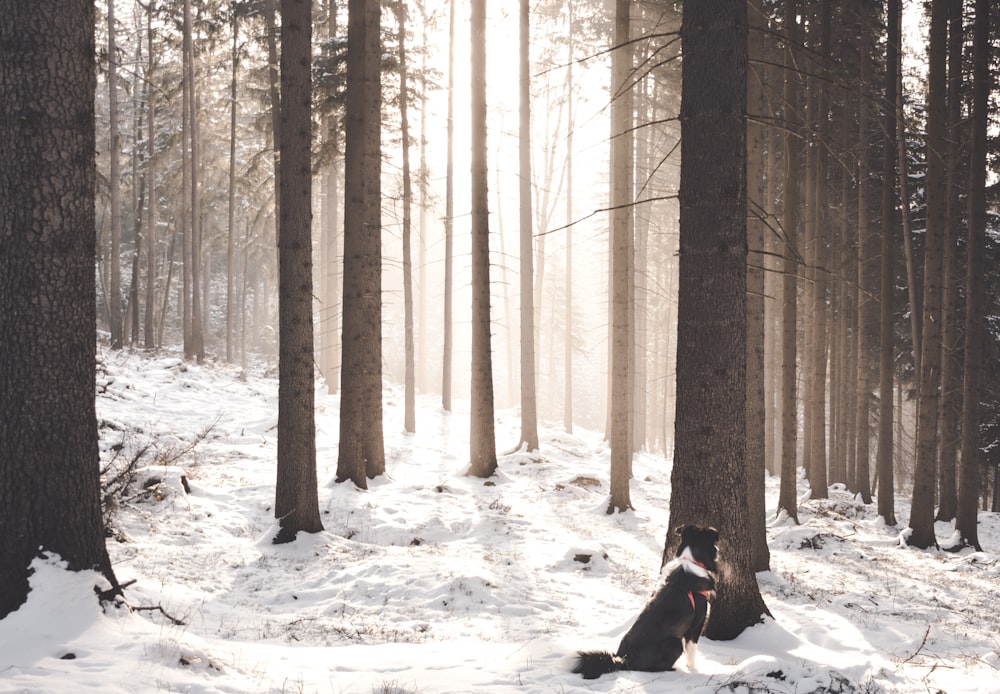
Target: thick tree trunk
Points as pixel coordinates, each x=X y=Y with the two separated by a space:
x=362 y=448
x=296 y=504
x=708 y=478
x=50 y=495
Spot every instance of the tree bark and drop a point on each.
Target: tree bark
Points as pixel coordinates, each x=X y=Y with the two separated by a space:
x=296 y=504
x=449 y=217
x=929 y=388
x=865 y=254
x=709 y=475
x=787 y=495
x=149 y=321
x=966 y=521
x=409 y=376
x=887 y=353
x=621 y=247
x=568 y=334
x=951 y=363
x=114 y=187
x=755 y=297
x=482 y=437
x=362 y=448
x=50 y=495
x=529 y=407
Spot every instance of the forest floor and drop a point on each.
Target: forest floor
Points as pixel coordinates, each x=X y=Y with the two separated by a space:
x=431 y=581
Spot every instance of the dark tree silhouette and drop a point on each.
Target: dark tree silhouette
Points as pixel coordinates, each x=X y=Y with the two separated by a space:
x=296 y=504
x=50 y=497
x=708 y=480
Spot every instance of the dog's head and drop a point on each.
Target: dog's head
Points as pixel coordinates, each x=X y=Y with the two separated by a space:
x=700 y=542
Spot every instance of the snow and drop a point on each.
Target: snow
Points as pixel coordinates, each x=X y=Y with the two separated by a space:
x=431 y=581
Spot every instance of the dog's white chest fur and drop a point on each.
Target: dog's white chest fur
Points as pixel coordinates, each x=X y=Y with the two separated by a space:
x=687 y=563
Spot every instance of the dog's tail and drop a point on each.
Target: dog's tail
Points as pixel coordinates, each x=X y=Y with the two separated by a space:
x=593 y=664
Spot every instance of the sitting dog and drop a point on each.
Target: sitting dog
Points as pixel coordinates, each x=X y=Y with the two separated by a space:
x=673 y=619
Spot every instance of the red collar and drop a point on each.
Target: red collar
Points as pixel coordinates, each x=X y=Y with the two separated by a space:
x=693 y=561
x=703 y=593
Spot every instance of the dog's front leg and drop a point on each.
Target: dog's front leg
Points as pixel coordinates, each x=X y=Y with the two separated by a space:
x=690 y=653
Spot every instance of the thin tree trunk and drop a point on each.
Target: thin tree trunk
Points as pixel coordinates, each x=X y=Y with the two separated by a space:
x=928 y=393
x=409 y=377
x=887 y=353
x=529 y=406
x=865 y=251
x=449 y=218
x=621 y=245
x=966 y=521
x=114 y=186
x=149 y=336
x=482 y=438
x=951 y=363
x=568 y=331
x=231 y=209
x=755 y=301
x=788 y=497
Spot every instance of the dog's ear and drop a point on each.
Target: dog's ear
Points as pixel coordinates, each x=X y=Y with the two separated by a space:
x=713 y=534
x=683 y=531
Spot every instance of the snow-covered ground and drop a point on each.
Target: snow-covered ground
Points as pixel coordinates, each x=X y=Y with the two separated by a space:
x=431 y=581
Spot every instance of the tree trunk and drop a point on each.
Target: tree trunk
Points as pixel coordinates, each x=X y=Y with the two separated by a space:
x=50 y=494
x=755 y=299
x=409 y=377
x=362 y=449
x=231 y=209
x=929 y=388
x=887 y=353
x=865 y=255
x=449 y=218
x=708 y=479
x=568 y=330
x=114 y=187
x=529 y=407
x=149 y=321
x=482 y=438
x=196 y=347
x=621 y=245
x=296 y=504
x=787 y=496
x=966 y=521
x=951 y=363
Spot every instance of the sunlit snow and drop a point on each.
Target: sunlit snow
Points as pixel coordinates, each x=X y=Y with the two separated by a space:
x=431 y=581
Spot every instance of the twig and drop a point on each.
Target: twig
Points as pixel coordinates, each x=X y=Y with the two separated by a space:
x=923 y=642
x=159 y=608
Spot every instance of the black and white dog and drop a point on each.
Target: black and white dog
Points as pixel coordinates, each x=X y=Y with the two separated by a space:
x=673 y=619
